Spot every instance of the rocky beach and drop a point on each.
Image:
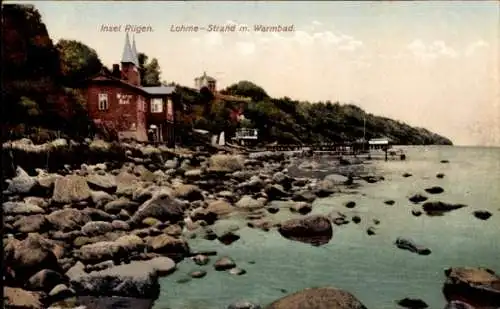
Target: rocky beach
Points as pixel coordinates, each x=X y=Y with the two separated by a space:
x=93 y=224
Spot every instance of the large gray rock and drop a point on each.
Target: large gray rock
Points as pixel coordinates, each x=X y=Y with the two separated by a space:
x=225 y=163
x=314 y=229
x=114 y=207
x=249 y=203
x=21 y=208
x=31 y=224
x=68 y=219
x=22 y=183
x=95 y=228
x=103 y=182
x=70 y=189
x=318 y=298
x=137 y=279
x=161 y=206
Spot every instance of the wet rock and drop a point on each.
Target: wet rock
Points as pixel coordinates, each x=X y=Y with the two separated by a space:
x=475 y=285
x=418 y=198
x=412 y=303
x=237 y=271
x=482 y=214
x=440 y=175
x=437 y=208
x=389 y=202
x=318 y=298
x=301 y=207
x=228 y=238
x=19 y=298
x=445 y=161
x=273 y=209
x=249 y=203
x=224 y=263
x=315 y=230
x=162 y=207
x=406 y=175
x=434 y=190
x=220 y=207
x=243 y=305
x=304 y=196
x=416 y=212
x=137 y=279
x=198 y=274
x=370 y=231
x=350 y=204
x=356 y=219
x=201 y=259
x=276 y=192
x=70 y=189
x=168 y=245
x=456 y=304
x=68 y=219
x=410 y=245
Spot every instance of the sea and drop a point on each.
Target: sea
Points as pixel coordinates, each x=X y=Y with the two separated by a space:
x=370 y=267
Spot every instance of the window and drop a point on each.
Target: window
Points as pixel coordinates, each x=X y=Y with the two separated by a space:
x=103 y=101
x=157 y=105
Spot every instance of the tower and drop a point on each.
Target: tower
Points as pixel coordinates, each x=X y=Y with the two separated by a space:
x=130 y=63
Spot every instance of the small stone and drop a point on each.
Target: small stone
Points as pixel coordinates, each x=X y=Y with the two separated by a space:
x=201 y=259
x=224 y=263
x=350 y=204
x=390 y=202
x=198 y=274
x=356 y=219
x=482 y=214
x=237 y=271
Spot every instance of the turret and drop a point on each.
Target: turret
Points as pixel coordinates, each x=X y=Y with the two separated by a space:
x=130 y=63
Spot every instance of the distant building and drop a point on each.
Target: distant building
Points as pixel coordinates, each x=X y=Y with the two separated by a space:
x=379 y=143
x=206 y=81
x=119 y=103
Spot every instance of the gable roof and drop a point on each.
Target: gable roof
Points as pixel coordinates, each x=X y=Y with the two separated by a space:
x=159 y=90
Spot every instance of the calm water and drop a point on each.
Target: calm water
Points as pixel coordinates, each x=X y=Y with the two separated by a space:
x=370 y=267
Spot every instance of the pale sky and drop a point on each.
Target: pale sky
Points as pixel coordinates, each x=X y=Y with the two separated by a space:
x=430 y=64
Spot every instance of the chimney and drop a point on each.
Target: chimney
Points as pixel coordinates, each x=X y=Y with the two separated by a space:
x=116 y=71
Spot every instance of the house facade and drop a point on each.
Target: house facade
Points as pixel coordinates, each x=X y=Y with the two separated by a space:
x=118 y=103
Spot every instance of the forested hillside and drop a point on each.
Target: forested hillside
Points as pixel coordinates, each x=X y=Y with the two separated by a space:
x=40 y=96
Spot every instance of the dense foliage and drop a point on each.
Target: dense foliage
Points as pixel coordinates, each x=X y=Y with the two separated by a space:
x=34 y=76
x=38 y=77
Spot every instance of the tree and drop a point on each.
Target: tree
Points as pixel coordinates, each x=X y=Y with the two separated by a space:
x=150 y=71
x=247 y=89
x=78 y=61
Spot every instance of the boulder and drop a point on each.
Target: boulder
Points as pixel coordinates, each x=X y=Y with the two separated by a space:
x=168 y=245
x=123 y=203
x=102 y=182
x=474 y=285
x=16 y=298
x=137 y=279
x=31 y=255
x=45 y=280
x=318 y=298
x=301 y=207
x=21 y=208
x=410 y=245
x=31 y=224
x=68 y=219
x=60 y=292
x=22 y=183
x=276 y=192
x=100 y=251
x=220 y=208
x=224 y=263
x=482 y=214
x=95 y=228
x=337 y=179
x=225 y=163
x=243 y=305
x=188 y=192
x=456 y=304
x=412 y=303
x=161 y=206
x=418 y=198
x=434 y=190
x=198 y=274
x=70 y=189
x=314 y=229
x=100 y=198
x=249 y=203
x=437 y=208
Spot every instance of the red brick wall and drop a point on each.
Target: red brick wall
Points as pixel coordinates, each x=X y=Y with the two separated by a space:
x=130 y=75
x=120 y=116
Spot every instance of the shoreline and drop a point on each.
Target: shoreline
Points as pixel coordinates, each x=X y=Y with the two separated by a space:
x=141 y=208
